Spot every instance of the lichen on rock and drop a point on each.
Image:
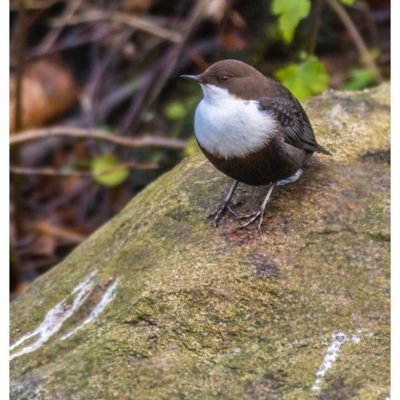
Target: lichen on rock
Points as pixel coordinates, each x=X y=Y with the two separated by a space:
x=203 y=313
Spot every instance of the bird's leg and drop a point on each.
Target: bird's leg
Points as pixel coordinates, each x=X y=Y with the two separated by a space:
x=259 y=214
x=219 y=212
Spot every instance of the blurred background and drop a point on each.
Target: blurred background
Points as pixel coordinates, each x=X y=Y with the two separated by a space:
x=97 y=111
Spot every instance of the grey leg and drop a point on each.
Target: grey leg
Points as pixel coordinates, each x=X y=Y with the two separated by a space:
x=224 y=206
x=259 y=214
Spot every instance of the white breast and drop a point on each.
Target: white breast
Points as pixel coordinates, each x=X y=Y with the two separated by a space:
x=230 y=127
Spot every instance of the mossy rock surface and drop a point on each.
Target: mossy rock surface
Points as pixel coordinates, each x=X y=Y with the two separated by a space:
x=158 y=304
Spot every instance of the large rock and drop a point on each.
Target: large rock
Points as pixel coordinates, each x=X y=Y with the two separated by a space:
x=158 y=304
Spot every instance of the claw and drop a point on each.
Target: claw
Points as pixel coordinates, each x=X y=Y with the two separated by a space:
x=256 y=215
x=220 y=211
x=251 y=218
x=244 y=216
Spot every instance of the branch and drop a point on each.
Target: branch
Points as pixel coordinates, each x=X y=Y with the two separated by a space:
x=317 y=26
x=147 y=26
x=51 y=38
x=130 y=20
x=68 y=43
x=15 y=154
x=81 y=133
x=47 y=171
x=356 y=37
x=34 y=5
x=163 y=69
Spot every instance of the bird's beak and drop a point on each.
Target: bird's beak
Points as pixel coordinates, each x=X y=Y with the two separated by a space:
x=195 y=78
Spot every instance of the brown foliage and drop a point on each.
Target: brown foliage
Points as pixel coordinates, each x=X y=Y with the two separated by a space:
x=48 y=91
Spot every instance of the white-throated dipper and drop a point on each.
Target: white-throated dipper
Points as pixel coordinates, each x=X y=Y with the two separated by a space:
x=252 y=129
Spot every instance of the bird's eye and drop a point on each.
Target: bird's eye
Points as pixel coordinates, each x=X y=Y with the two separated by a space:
x=222 y=78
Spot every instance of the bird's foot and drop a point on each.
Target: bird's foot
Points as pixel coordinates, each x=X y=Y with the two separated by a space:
x=224 y=207
x=220 y=211
x=251 y=219
x=256 y=215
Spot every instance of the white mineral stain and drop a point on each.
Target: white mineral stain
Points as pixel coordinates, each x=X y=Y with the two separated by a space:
x=101 y=305
x=338 y=339
x=55 y=318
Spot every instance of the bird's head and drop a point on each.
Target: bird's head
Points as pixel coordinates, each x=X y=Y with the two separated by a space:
x=232 y=76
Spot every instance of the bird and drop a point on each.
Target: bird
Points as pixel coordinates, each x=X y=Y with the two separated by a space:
x=252 y=129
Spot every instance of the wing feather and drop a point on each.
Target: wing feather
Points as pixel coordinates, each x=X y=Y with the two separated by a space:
x=296 y=126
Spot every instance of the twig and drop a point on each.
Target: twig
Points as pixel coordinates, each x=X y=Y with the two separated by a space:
x=316 y=27
x=69 y=43
x=117 y=96
x=356 y=37
x=35 y=5
x=147 y=26
x=15 y=154
x=162 y=70
x=20 y=50
x=60 y=232
x=81 y=133
x=364 y=7
x=130 y=20
x=92 y=93
x=21 y=34
x=51 y=38
x=47 y=171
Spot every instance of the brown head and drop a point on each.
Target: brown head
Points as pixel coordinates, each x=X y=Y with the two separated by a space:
x=239 y=78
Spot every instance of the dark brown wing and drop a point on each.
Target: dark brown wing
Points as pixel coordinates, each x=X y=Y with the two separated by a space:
x=295 y=124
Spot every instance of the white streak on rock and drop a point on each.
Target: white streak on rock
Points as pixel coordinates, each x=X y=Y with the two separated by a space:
x=338 y=338
x=55 y=318
x=107 y=298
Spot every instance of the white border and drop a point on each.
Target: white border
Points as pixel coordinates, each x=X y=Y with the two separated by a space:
x=395 y=200
x=4 y=199
x=5 y=195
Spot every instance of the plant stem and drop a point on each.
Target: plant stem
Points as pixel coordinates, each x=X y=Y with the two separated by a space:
x=18 y=111
x=15 y=156
x=362 y=48
x=82 y=133
x=317 y=26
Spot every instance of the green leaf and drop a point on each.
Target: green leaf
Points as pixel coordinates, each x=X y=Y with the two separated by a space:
x=175 y=110
x=304 y=79
x=347 y=2
x=290 y=13
x=359 y=79
x=107 y=170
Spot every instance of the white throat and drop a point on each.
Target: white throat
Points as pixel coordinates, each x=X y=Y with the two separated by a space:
x=227 y=126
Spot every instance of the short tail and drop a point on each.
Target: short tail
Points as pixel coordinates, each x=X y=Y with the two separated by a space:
x=320 y=149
